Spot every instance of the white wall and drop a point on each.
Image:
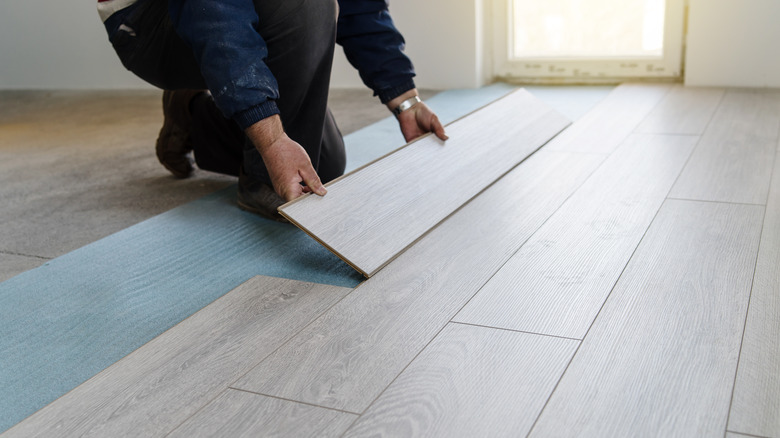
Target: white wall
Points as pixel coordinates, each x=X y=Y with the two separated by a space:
x=57 y=44
x=48 y=44
x=733 y=43
x=443 y=39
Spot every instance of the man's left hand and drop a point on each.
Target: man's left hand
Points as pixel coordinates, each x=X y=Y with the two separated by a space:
x=417 y=120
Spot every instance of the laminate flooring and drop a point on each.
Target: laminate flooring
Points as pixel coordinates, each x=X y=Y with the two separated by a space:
x=619 y=282
x=374 y=213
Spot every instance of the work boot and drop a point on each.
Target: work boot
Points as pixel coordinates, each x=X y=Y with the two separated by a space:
x=174 y=143
x=258 y=197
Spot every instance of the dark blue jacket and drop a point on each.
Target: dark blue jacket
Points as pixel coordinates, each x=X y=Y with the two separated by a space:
x=231 y=53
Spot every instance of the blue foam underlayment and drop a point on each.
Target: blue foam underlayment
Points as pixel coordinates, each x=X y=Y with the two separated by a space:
x=74 y=316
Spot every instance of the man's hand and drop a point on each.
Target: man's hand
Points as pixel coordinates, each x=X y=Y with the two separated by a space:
x=287 y=162
x=417 y=120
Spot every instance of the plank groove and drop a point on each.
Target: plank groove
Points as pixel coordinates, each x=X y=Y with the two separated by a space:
x=155 y=388
x=241 y=414
x=733 y=162
x=471 y=381
x=346 y=358
x=755 y=408
x=374 y=213
x=604 y=127
x=684 y=111
x=660 y=358
x=558 y=280
x=739 y=435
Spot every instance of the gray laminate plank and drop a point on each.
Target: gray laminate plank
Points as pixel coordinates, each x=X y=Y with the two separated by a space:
x=558 y=280
x=158 y=386
x=374 y=213
x=470 y=382
x=242 y=414
x=685 y=111
x=604 y=127
x=347 y=357
x=733 y=162
x=741 y=435
x=755 y=408
x=660 y=358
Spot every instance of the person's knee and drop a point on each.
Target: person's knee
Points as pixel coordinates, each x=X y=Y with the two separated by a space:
x=333 y=156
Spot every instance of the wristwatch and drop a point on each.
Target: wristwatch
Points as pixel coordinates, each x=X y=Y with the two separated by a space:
x=405 y=105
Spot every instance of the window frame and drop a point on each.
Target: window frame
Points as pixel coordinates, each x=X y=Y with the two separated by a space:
x=588 y=70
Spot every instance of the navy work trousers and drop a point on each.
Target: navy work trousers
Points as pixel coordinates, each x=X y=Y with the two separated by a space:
x=301 y=38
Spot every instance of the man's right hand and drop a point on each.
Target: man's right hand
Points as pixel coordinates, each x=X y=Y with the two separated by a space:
x=287 y=162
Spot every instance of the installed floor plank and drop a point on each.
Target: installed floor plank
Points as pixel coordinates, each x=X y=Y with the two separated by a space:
x=685 y=110
x=347 y=357
x=558 y=280
x=661 y=357
x=739 y=435
x=157 y=387
x=470 y=382
x=733 y=162
x=756 y=406
x=371 y=215
x=242 y=414
x=606 y=126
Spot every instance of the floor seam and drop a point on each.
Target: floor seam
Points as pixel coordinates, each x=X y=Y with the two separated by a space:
x=617 y=281
x=750 y=298
x=293 y=336
x=293 y=401
x=698 y=143
x=13 y=253
x=746 y=434
x=516 y=331
x=715 y=202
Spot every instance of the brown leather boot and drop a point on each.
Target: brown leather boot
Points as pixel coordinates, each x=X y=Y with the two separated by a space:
x=174 y=144
x=258 y=197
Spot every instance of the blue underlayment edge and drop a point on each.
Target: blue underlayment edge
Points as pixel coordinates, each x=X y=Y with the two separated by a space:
x=69 y=319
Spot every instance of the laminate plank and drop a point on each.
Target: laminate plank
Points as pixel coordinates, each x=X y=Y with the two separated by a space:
x=558 y=280
x=684 y=111
x=604 y=127
x=739 y=435
x=241 y=414
x=158 y=386
x=660 y=358
x=374 y=213
x=755 y=408
x=470 y=381
x=347 y=357
x=733 y=162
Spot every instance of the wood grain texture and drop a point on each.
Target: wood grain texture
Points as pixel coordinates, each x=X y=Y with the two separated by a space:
x=755 y=408
x=661 y=357
x=346 y=358
x=241 y=414
x=155 y=388
x=685 y=111
x=374 y=213
x=558 y=280
x=604 y=127
x=470 y=382
x=733 y=162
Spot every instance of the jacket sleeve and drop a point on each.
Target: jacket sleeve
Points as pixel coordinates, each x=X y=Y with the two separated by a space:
x=231 y=55
x=374 y=47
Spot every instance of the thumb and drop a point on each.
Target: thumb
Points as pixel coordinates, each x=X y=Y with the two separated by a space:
x=312 y=181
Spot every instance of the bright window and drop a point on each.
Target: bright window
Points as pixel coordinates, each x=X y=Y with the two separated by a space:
x=581 y=39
